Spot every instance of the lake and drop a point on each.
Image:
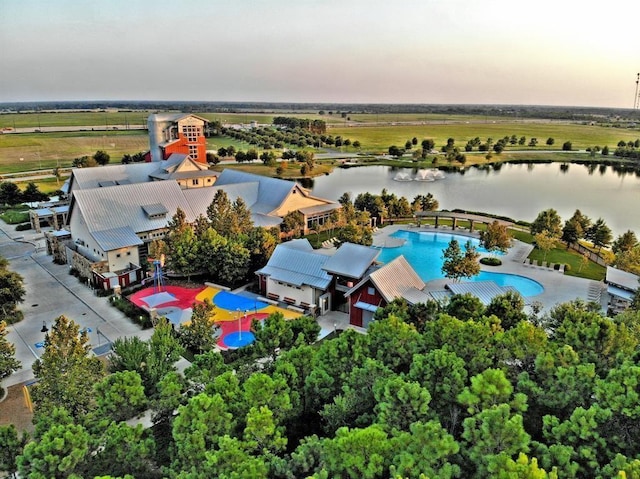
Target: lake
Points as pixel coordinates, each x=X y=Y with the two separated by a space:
x=519 y=191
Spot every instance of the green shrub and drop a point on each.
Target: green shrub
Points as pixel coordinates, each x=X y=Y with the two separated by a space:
x=132 y=311
x=23 y=227
x=567 y=267
x=490 y=261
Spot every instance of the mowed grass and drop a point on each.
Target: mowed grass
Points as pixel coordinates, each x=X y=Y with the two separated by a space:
x=379 y=138
x=33 y=151
x=109 y=118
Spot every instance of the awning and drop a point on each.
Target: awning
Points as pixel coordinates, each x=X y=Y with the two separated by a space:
x=619 y=292
x=366 y=306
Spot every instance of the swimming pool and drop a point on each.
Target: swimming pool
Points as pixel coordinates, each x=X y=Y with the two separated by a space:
x=423 y=251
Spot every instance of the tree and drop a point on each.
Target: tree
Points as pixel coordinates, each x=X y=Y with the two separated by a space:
x=11 y=446
x=401 y=403
x=101 y=157
x=496 y=237
x=11 y=293
x=605 y=151
x=32 y=194
x=599 y=234
x=293 y=223
x=508 y=307
x=453 y=257
x=545 y=242
x=164 y=351
x=200 y=334
x=66 y=371
x=625 y=242
x=56 y=454
x=9 y=193
x=357 y=453
x=120 y=396
x=550 y=141
x=629 y=260
x=182 y=244
x=444 y=375
x=533 y=142
x=425 y=450
x=566 y=146
x=571 y=232
x=122 y=449
x=197 y=428
x=395 y=151
x=8 y=361
x=425 y=203
x=547 y=220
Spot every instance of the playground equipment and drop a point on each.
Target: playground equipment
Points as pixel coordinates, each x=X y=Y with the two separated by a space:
x=158 y=275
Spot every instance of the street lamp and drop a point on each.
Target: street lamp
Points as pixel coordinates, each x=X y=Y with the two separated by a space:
x=239 y=325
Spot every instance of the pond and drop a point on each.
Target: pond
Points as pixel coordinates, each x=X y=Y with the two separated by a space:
x=518 y=191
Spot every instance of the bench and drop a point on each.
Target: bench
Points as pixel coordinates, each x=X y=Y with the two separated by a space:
x=272 y=296
x=289 y=300
x=305 y=305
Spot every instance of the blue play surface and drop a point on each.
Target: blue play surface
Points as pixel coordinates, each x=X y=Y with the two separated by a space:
x=234 y=302
x=239 y=339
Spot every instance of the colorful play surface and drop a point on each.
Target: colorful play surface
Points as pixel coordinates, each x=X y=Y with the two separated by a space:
x=232 y=312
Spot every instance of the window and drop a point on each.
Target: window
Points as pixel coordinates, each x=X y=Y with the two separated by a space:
x=193 y=151
x=118 y=255
x=128 y=253
x=195 y=182
x=371 y=291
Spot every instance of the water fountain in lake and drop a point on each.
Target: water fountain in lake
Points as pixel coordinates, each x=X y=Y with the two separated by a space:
x=429 y=175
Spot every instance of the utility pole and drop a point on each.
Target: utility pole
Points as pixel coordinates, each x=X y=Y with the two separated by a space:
x=636 y=97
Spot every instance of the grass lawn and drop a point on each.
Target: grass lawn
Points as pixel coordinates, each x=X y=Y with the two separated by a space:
x=34 y=151
x=379 y=138
x=16 y=215
x=45 y=185
x=292 y=170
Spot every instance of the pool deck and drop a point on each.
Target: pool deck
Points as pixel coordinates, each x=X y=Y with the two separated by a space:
x=558 y=287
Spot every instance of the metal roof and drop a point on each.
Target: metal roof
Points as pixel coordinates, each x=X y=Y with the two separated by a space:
x=622 y=279
x=485 y=291
x=351 y=260
x=366 y=306
x=310 y=210
x=85 y=178
x=116 y=238
x=300 y=244
x=393 y=280
x=155 y=209
x=118 y=206
x=620 y=293
x=271 y=191
x=296 y=266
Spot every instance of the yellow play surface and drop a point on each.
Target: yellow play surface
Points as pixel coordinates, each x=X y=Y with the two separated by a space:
x=221 y=314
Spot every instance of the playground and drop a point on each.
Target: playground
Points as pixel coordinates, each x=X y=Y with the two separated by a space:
x=232 y=312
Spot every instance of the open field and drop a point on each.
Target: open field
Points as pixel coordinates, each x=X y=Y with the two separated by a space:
x=37 y=120
x=34 y=151
x=379 y=138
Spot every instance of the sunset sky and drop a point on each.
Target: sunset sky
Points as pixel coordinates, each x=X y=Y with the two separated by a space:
x=358 y=51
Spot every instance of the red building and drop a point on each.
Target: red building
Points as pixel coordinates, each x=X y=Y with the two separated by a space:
x=396 y=279
x=177 y=133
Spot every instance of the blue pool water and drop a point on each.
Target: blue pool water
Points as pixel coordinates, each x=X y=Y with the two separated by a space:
x=423 y=251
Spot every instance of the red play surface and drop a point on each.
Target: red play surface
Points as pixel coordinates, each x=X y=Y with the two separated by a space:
x=232 y=326
x=184 y=297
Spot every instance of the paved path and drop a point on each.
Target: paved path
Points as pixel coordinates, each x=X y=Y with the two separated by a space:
x=558 y=287
x=50 y=292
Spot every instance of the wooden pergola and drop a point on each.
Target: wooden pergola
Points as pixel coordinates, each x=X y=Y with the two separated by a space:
x=455 y=217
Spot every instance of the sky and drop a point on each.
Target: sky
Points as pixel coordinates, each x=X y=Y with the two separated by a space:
x=544 y=52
